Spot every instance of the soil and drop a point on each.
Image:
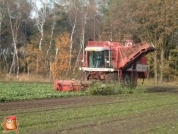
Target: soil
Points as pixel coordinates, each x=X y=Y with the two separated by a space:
x=124 y=125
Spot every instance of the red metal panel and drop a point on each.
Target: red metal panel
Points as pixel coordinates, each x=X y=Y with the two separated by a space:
x=143 y=60
x=129 y=54
x=67 y=85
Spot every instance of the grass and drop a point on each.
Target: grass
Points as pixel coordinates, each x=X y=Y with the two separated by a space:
x=171 y=128
x=60 y=117
x=165 y=128
x=55 y=119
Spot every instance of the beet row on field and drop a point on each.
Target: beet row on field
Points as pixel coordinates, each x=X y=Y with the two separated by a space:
x=11 y=91
x=142 y=113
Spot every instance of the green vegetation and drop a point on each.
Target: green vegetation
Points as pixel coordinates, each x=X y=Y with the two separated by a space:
x=167 y=128
x=114 y=110
x=12 y=91
x=113 y=89
x=32 y=48
x=141 y=112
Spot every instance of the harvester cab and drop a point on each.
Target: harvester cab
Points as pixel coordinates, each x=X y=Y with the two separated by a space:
x=98 y=57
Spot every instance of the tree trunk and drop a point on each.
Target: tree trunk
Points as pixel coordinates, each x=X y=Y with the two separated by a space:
x=28 y=71
x=6 y=67
x=12 y=64
x=111 y=33
x=78 y=56
x=17 y=58
x=161 y=66
x=51 y=38
x=56 y=55
x=41 y=21
x=148 y=73
x=41 y=39
x=81 y=44
x=155 y=68
x=14 y=30
x=37 y=65
x=71 y=45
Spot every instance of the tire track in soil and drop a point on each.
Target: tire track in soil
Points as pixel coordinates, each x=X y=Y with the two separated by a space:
x=29 y=104
x=85 y=101
x=82 y=106
x=127 y=124
x=73 y=102
x=94 y=124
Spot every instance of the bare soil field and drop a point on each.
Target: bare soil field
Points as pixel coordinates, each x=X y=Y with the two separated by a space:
x=148 y=120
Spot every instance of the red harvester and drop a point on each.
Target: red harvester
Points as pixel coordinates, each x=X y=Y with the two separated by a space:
x=110 y=61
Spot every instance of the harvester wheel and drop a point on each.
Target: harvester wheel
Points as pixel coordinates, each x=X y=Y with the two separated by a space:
x=126 y=80
x=111 y=77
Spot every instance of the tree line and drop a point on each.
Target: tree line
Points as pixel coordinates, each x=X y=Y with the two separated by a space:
x=47 y=37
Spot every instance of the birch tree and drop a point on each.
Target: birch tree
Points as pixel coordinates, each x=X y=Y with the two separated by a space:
x=15 y=22
x=16 y=15
x=41 y=19
x=52 y=30
x=83 y=21
x=89 y=25
x=51 y=39
x=72 y=8
x=2 y=15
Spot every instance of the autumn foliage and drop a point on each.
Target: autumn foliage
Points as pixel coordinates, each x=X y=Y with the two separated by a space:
x=60 y=65
x=33 y=44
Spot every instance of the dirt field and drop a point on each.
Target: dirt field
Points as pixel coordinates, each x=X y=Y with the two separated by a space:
x=141 y=122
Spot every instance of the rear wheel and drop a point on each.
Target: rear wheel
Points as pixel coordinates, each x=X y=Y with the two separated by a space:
x=126 y=80
x=112 y=77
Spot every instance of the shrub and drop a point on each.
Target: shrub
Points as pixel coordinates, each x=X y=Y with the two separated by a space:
x=104 y=89
x=111 y=89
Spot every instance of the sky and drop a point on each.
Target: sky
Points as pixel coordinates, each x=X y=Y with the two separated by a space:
x=39 y=5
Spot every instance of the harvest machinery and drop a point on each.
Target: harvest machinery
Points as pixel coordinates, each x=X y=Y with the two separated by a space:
x=110 y=61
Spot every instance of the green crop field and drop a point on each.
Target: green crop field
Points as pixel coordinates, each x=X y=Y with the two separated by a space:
x=153 y=112
x=13 y=91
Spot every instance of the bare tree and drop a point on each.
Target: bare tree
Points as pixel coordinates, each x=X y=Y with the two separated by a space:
x=14 y=30
x=1 y=16
x=17 y=12
x=51 y=39
x=73 y=14
x=83 y=19
x=2 y=53
x=52 y=31
x=41 y=19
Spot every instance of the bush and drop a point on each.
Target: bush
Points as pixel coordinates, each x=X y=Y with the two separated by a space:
x=104 y=89
x=111 y=89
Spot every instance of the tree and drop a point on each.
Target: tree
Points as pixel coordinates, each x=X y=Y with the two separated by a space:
x=60 y=65
x=16 y=15
x=41 y=19
x=87 y=28
x=154 y=21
